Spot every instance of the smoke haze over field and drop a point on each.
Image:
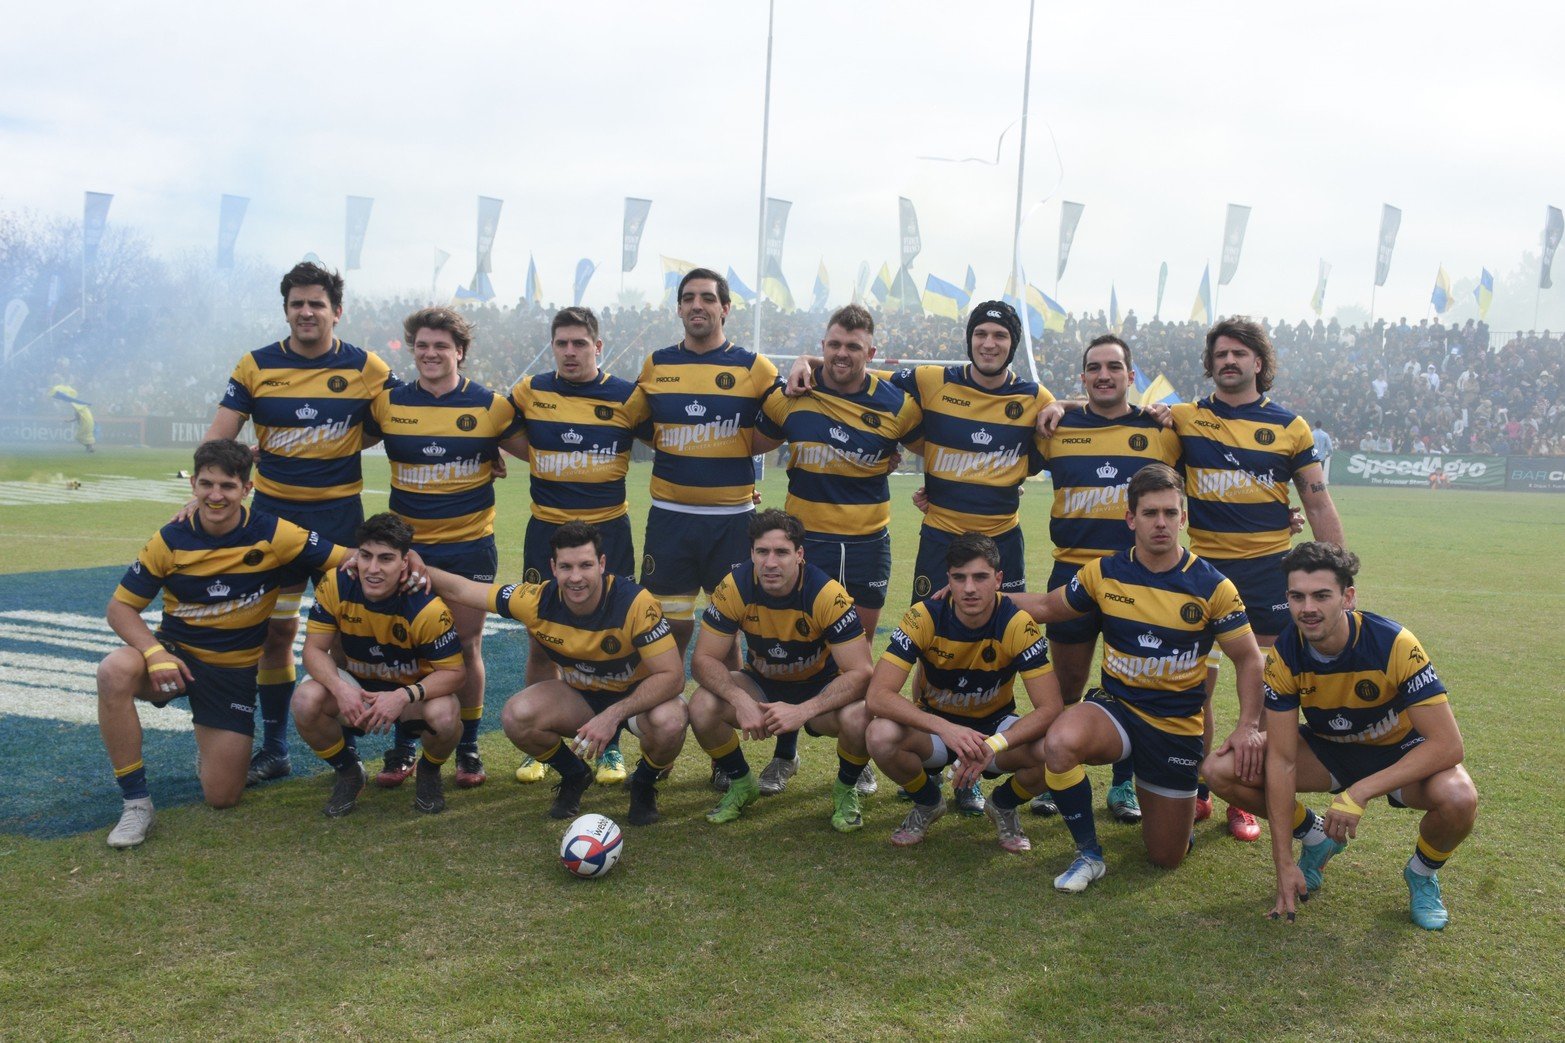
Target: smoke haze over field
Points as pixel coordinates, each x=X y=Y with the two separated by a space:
x=1161 y=114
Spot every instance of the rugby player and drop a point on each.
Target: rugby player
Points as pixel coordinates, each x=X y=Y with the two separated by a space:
x=580 y=425
x=1377 y=723
x=807 y=665
x=1240 y=450
x=843 y=439
x=307 y=395
x=403 y=654
x=1160 y=608
x=619 y=669
x=443 y=434
x=971 y=643
x=220 y=572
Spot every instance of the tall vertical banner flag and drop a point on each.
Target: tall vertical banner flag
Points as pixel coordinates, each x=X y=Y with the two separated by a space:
x=859 y=283
x=774 y=286
x=1233 y=241
x=230 y=215
x=911 y=242
x=1552 y=227
x=636 y=211
x=584 y=270
x=441 y=257
x=1318 y=301
x=95 y=218
x=15 y=315
x=1070 y=217
x=1162 y=281
x=488 y=224
x=532 y=293
x=358 y=225
x=1390 y=221
x=1201 y=310
x=822 y=288
x=1483 y=293
x=1440 y=296
x=971 y=282
x=1113 y=309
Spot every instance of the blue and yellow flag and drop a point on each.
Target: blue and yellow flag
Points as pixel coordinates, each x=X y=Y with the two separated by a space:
x=1440 y=296
x=479 y=290
x=971 y=282
x=945 y=299
x=1053 y=313
x=1147 y=392
x=673 y=270
x=737 y=288
x=1484 y=293
x=533 y=293
x=1114 y=322
x=1201 y=310
x=822 y=288
x=880 y=289
x=584 y=270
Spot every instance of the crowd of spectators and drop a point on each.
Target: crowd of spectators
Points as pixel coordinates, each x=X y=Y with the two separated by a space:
x=1393 y=386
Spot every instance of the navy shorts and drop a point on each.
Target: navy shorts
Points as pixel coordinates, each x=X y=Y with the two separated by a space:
x=597 y=702
x=476 y=560
x=335 y=522
x=618 y=548
x=1263 y=587
x=860 y=563
x=221 y=697
x=995 y=723
x=1166 y=764
x=686 y=553
x=791 y=692
x=1349 y=762
x=929 y=571
x=1081 y=630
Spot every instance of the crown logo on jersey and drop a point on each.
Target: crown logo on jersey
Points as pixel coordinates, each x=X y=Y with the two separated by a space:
x=219 y=590
x=1340 y=723
x=838 y=433
x=982 y=437
x=375 y=651
x=696 y=409
x=777 y=652
x=434 y=449
x=306 y=412
x=1108 y=472
x=1149 y=640
x=571 y=437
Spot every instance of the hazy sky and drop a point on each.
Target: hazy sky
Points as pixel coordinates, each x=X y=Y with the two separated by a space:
x=1314 y=115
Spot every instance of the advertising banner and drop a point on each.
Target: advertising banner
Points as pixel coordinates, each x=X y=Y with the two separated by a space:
x=1544 y=474
x=1460 y=471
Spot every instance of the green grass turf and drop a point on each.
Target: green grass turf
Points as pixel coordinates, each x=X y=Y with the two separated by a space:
x=270 y=922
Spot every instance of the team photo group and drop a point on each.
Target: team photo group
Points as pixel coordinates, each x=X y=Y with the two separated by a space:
x=1172 y=537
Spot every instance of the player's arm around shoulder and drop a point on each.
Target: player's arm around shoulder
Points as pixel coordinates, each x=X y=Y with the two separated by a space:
x=459 y=590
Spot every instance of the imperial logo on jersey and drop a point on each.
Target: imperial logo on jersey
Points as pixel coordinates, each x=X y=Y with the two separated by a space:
x=389 y=643
x=968 y=672
x=1157 y=630
x=1364 y=693
x=978 y=446
x=703 y=409
x=1092 y=460
x=840 y=448
x=442 y=451
x=580 y=437
x=786 y=638
x=308 y=416
x=217 y=595
x=1238 y=461
x=601 y=651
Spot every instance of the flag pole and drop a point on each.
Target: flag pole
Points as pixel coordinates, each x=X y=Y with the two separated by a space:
x=760 y=221
x=1016 y=231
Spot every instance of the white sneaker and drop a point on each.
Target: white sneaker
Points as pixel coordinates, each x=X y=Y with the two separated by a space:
x=867 y=784
x=134 y=824
x=1082 y=872
x=775 y=776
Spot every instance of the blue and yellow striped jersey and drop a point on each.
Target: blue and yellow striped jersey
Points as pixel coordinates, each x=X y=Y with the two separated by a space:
x=1361 y=695
x=1238 y=461
x=579 y=438
x=1157 y=630
x=442 y=451
x=787 y=638
x=308 y=416
x=969 y=672
x=389 y=643
x=703 y=410
x=839 y=453
x=1092 y=460
x=218 y=591
x=979 y=445
x=601 y=651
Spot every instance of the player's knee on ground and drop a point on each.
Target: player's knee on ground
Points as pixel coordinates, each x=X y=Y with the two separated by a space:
x=1169 y=856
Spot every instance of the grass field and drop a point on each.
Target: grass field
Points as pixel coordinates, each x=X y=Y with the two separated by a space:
x=269 y=921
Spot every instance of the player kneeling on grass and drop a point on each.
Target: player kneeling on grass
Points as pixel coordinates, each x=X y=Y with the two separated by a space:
x=404 y=662
x=619 y=669
x=806 y=666
x=972 y=642
x=220 y=571
x=1161 y=608
x=1377 y=723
